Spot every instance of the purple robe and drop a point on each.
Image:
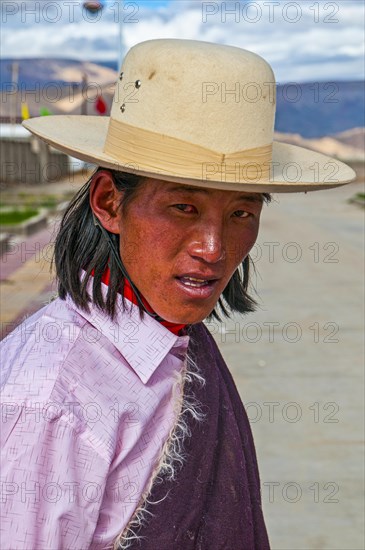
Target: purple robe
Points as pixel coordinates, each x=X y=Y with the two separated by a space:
x=214 y=503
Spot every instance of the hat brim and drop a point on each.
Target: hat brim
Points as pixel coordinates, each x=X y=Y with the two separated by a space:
x=295 y=169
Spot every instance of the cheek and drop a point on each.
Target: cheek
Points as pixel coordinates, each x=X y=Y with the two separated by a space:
x=132 y=251
x=152 y=246
x=250 y=241
x=242 y=243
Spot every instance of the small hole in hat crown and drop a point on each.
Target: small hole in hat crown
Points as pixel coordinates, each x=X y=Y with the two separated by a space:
x=121 y=76
x=122 y=107
x=137 y=84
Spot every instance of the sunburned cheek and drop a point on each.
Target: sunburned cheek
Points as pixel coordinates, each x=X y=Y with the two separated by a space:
x=238 y=251
x=166 y=244
x=249 y=239
x=246 y=249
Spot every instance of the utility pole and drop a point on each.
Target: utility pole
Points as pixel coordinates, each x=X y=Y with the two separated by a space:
x=14 y=97
x=84 y=84
x=120 y=36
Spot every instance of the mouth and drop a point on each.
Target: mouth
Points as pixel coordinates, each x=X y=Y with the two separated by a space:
x=197 y=286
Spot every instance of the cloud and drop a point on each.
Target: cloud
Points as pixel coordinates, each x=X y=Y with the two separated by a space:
x=303 y=41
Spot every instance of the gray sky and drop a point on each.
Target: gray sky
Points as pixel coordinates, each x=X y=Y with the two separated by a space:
x=304 y=40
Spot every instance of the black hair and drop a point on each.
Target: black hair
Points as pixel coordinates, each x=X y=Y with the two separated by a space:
x=80 y=245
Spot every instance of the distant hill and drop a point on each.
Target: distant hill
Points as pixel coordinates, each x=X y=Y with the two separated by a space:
x=41 y=71
x=345 y=145
x=320 y=108
x=354 y=138
x=312 y=110
x=55 y=84
x=110 y=64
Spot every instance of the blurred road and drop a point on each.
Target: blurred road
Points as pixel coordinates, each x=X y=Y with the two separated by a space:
x=26 y=283
x=297 y=361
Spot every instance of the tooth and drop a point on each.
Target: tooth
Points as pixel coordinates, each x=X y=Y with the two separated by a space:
x=194 y=282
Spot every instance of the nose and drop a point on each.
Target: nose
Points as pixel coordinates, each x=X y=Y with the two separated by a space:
x=208 y=244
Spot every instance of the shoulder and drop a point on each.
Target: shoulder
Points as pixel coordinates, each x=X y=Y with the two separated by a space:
x=204 y=346
x=33 y=354
x=58 y=368
x=202 y=338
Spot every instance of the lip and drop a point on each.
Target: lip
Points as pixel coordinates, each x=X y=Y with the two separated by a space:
x=200 y=275
x=203 y=292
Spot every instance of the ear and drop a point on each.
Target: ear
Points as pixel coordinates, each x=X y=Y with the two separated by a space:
x=105 y=200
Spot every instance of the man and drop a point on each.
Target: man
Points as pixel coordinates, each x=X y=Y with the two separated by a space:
x=122 y=424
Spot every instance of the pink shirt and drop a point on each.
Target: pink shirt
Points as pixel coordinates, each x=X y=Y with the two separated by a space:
x=87 y=405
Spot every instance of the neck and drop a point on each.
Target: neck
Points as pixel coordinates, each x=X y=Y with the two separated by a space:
x=129 y=293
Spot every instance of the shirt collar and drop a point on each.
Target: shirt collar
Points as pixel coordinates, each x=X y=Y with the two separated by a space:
x=144 y=343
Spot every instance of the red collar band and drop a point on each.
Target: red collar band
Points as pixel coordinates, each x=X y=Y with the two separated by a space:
x=128 y=293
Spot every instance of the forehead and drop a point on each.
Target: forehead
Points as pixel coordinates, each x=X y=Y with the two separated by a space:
x=161 y=189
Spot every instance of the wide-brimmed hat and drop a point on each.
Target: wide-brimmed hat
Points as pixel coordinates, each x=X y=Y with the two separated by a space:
x=196 y=113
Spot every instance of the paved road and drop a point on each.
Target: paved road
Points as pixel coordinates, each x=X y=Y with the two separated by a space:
x=297 y=361
x=26 y=283
x=298 y=364
x=25 y=280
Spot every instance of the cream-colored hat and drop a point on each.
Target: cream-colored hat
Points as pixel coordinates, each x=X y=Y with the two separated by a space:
x=196 y=113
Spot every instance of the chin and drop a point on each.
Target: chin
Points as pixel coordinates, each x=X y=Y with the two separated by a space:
x=187 y=318
x=183 y=313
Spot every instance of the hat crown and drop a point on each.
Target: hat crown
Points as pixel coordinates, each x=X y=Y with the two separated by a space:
x=194 y=113
x=219 y=97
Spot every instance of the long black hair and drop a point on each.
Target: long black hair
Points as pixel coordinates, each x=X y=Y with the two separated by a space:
x=80 y=244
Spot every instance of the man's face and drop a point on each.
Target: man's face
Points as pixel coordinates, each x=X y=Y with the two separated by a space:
x=181 y=245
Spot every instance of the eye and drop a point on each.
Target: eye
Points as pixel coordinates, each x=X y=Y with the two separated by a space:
x=241 y=214
x=184 y=207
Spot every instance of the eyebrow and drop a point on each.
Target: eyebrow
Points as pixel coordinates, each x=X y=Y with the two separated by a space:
x=247 y=197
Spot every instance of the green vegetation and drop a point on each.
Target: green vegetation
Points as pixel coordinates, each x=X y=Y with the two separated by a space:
x=35 y=201
x=49 y=202
x=18 y=207
x=36 y=197
x=13 y=217
x=358 y=198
